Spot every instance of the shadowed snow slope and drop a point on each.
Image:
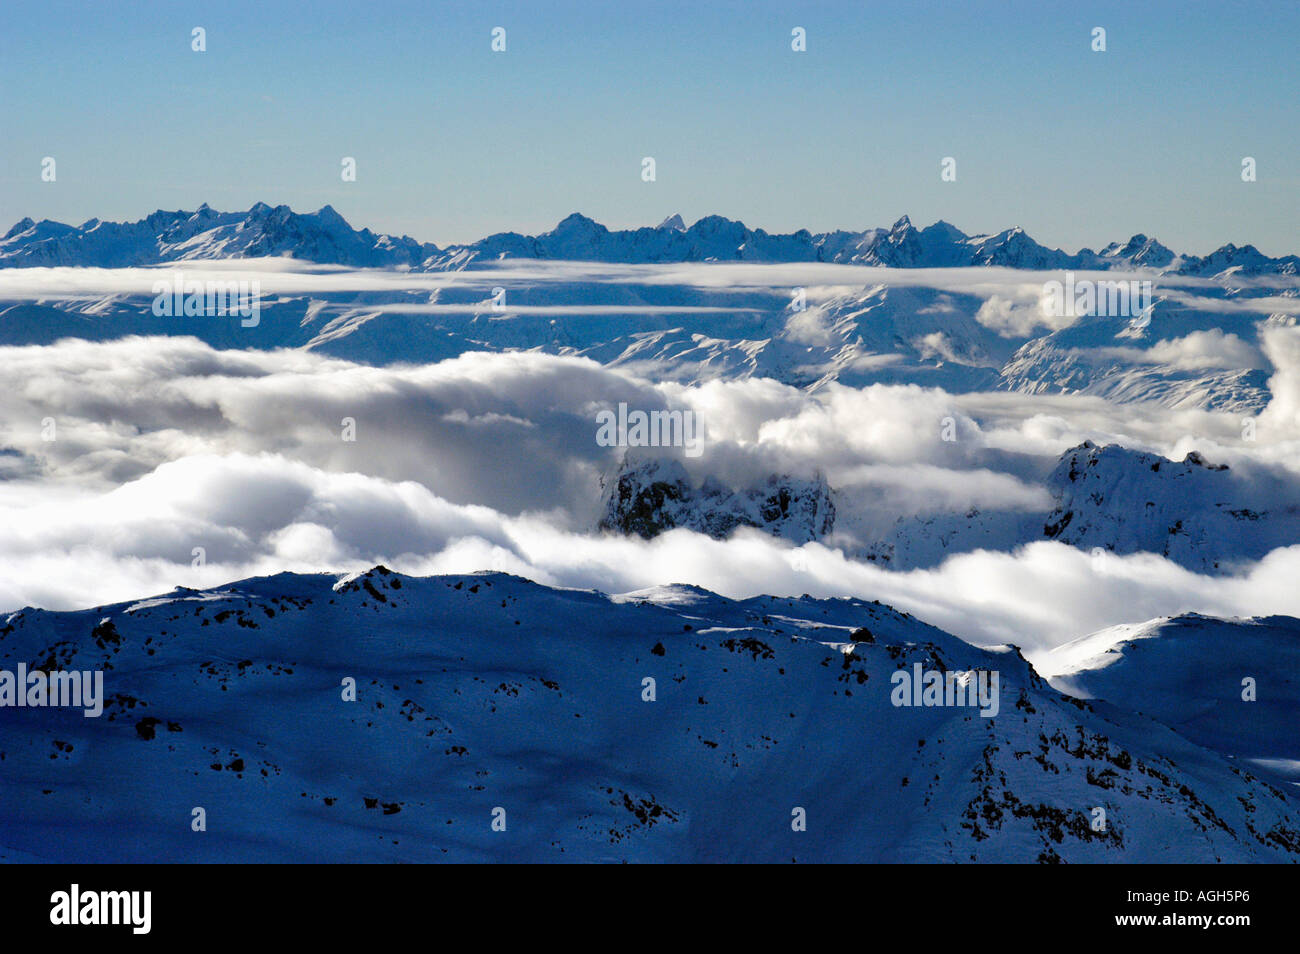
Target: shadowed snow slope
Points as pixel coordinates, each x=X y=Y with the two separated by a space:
x=489 y=692
x=1189 y=672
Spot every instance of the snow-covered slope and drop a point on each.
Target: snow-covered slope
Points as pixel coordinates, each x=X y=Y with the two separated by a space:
x=1197 y=513
x=1176 y=356
x=489 y=697
x=926 y=540
x=1232 y=685
x=878 y=334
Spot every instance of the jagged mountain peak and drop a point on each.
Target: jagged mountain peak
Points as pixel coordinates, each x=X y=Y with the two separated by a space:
x=328 y=214
x=22 y=226
x=717 y=223
x=944 y=231
x=576 y=221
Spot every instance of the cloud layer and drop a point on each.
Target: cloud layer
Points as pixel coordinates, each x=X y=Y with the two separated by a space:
x=255 y=515
x=488 y=461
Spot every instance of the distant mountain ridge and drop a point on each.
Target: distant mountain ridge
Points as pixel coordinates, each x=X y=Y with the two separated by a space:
x=325 y=237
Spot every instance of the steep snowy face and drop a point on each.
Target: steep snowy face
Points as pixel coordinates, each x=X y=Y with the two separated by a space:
x=650 y=495
x=1232 y=685
x=1044 y=366
x=1139 y=250
x=23 y=225
x=1015 y=249
x=1197 y=513
x=1174 y=353
x=390 y=718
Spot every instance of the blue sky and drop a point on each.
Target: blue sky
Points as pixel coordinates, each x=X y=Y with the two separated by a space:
x=453 y=141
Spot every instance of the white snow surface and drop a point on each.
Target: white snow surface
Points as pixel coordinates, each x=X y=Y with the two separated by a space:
x=484 y=692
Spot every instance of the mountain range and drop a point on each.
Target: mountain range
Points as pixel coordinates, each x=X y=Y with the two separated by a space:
x=325 y=237
x=1199 y=346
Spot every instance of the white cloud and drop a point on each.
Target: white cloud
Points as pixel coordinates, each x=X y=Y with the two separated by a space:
x=260 y=514
x=488 y=461
x=1200 y=350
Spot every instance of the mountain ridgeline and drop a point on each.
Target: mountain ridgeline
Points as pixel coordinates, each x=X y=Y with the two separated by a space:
x=325 y=237
x=494 y=719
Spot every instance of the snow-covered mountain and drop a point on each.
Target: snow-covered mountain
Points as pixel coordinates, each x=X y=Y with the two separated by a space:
x=1041 y=367
x=1195 y=349
x=877 y=334
x=650 y=495
x=665 y=725
x=1232 y=685
x=325 y=237
x=1197 y=513
x=1179 y=356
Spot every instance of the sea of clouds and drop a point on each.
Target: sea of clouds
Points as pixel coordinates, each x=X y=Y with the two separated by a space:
x=488 y=462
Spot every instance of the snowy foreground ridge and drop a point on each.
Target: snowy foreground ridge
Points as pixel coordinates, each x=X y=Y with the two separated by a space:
x=489 y=699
